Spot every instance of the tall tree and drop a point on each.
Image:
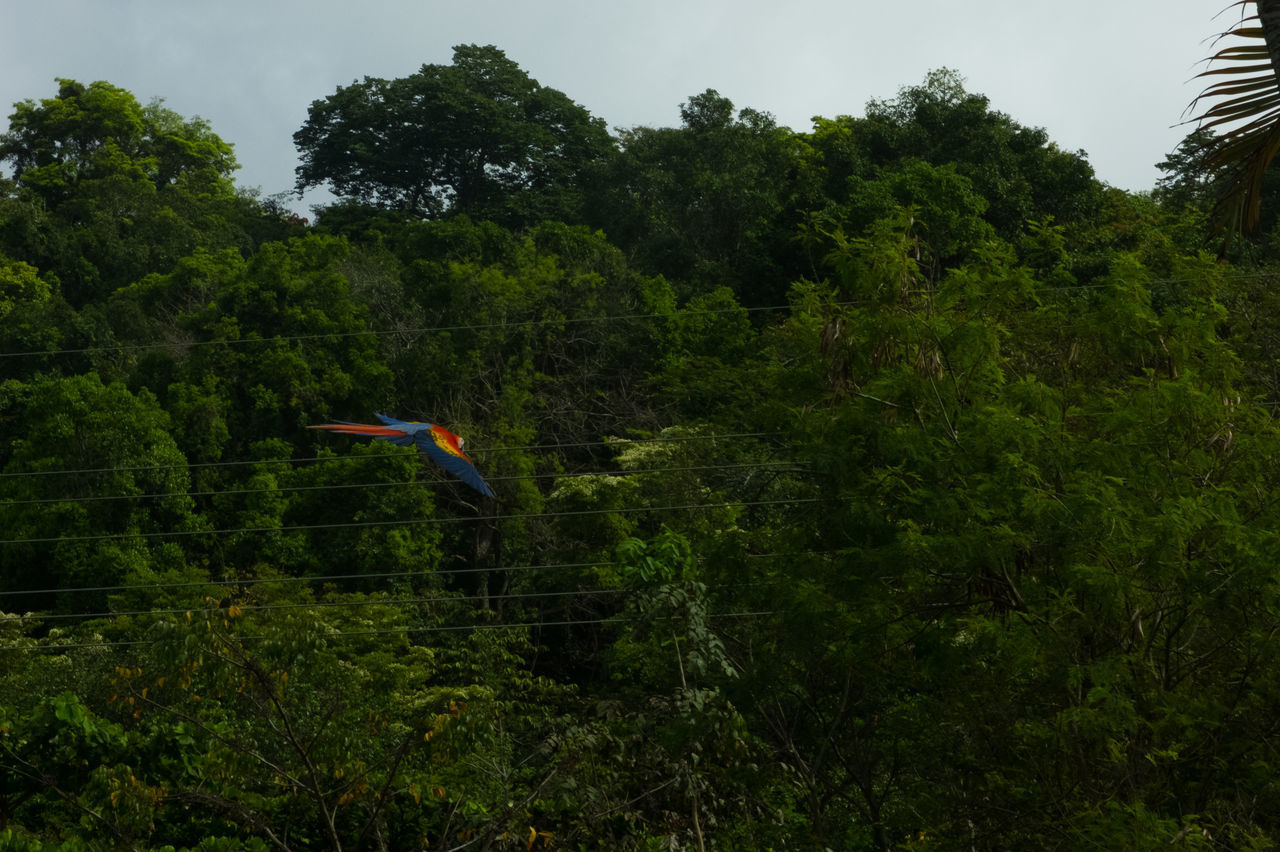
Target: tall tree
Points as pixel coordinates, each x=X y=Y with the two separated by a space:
x=707 y=202
x=1020 y=173
x=108 y=190
x=479 y=136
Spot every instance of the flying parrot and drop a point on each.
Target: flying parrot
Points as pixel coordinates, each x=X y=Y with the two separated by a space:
x=444 y=447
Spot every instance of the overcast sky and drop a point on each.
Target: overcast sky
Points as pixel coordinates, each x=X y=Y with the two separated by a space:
x=1111 y=77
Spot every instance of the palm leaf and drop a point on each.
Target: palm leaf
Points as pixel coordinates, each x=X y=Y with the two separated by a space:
x=1245 y=113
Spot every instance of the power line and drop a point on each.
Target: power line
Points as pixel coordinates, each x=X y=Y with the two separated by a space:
x=312 y=578
x=679 y=313
x=340 y=604
x=407 y=522
x=63 y=616
x=142 y=347
x=379 y=456
x=382 y=575
x=405 y=482
x=404 y=631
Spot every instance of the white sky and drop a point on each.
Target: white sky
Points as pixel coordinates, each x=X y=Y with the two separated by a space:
x=1111 y=77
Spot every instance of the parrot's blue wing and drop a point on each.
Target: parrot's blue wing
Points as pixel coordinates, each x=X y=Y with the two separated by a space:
x=404 y=440
x=398 y=424
x=457 y=464
x=400 y=440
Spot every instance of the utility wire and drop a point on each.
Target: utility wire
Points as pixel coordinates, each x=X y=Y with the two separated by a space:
x=422 y=482
x=378 y=456
x=342 y=604
x=400 y=631
x=403 y=631
x=63 y=616
x=311 y=578
x=679 y=313
x=408 y=522
x=327 y=578
x=140 y=347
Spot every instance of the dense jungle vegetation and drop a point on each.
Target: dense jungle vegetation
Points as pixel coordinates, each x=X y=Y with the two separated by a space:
x=889 y=484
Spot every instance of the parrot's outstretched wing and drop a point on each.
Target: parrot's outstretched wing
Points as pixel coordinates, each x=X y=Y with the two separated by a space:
x=445 y=449
x=406 y=425
x=383 y=433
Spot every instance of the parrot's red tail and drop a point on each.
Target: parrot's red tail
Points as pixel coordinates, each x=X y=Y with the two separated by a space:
x=361 y=429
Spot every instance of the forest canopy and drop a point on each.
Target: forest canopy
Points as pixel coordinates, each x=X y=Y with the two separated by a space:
x=887 y=484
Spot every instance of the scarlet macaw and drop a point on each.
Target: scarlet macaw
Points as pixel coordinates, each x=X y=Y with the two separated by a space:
x=444 y=447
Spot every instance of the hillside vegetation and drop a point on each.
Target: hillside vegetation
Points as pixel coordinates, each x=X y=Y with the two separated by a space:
x=889 y=484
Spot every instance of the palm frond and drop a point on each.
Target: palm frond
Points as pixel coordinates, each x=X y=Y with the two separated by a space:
x=1245 y=113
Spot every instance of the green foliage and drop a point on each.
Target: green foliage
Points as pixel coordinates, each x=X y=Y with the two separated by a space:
x=260 y=347
x=109 y=190
x=1016 y=171
x=703 y=203
x=111 y=444
x=478 y=137
x=983 y=491
x=970 y=546
x=29 y=311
